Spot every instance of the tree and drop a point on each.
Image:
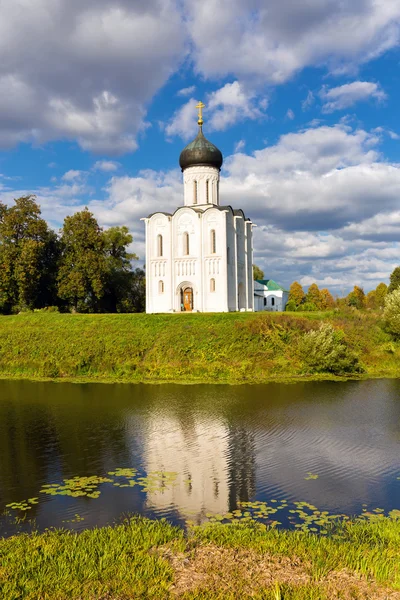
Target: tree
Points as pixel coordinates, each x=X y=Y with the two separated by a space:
x=381 y=293
x=314 y=296
x=118 y=287
x=356 y=298
x=392 y=312
x=371 y=300
x=296 y=293
x=257 y=273
x=29 y=253
x=327 y=300
x=394 y=280
x=83 y=270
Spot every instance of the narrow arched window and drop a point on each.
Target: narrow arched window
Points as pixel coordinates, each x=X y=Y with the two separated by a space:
x=186 y=243
x=159 y=245
x=160 y=287
x=272 y=301
x=207 y=191
x=213 y=241
x=212 y=285
x=195 y=192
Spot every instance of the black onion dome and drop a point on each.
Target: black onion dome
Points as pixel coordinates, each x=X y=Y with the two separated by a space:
x=200 y=152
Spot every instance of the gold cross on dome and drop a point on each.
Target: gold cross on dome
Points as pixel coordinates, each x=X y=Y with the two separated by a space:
x=200 y=106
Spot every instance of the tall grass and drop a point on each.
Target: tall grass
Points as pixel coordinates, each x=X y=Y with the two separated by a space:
x=147 y=559
x=235 y=348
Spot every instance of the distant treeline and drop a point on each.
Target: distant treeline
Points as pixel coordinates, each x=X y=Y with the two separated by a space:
x=81 y=269
x=316 y=299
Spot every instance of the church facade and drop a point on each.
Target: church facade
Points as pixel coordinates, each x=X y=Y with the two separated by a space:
x=200 y=258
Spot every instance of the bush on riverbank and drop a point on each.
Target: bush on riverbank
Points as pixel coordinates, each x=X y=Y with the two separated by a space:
x=230 y=348
x=149 y=559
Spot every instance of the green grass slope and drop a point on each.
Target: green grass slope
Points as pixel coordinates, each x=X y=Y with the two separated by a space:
x=226 y=348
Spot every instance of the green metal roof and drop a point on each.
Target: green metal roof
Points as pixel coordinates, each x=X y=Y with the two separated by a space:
x=272 y=285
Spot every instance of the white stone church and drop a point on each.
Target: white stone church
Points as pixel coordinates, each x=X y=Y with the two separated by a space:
x=200 y=257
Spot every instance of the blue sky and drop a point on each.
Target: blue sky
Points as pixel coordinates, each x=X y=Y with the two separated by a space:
x=97 y=101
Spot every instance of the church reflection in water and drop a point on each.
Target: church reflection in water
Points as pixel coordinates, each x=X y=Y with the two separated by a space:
x=214 y=462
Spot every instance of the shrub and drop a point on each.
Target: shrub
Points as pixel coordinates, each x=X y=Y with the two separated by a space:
x=291 y=306
x=307 y=307
x=326 y=350
x=48 y=309
x=392 y=312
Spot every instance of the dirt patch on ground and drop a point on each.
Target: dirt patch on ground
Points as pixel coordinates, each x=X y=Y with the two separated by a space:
x=245 y=573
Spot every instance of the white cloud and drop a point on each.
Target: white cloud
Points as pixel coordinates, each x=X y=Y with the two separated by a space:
x=308 y=101
x=106 y=165
x=290 y=114
x=184 y=121
x=344 y=96
x=270 y=41
x=239 y=146
x=72 y=174
x=84 y=70
x=224 y=107
x=187 y=91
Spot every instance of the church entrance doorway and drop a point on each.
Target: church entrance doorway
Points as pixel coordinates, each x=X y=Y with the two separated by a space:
x=188 y=299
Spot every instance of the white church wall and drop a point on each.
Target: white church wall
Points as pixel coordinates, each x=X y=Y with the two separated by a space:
x=232 y=266
x=249 y=265
x=186 y=266
x=196 y=188
x=158 y=276
x=241 y=263
x=214 y=292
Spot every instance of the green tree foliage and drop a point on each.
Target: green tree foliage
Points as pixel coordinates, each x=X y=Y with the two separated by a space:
x=118 y=288
x=257 y=273
x=296 y=294
x=326 y=350
x=394 y=280
x=314 y=296
x=392 y=312
x=82 y=276
x=29 y=253
x=356 y=298
x=381 y=293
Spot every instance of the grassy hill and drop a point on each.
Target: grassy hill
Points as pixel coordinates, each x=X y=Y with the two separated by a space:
x=229 y=348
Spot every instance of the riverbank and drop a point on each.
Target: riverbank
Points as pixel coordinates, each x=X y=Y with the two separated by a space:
x=151 y=559
x=193 y=348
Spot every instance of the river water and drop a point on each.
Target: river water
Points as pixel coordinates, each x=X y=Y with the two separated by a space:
x=335 y=445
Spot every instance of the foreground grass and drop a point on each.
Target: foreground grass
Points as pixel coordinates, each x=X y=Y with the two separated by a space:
x=229 y=348
x=148 y=559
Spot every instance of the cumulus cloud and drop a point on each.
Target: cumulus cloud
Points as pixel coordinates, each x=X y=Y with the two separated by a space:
x=106 y=165
x=72 y=174
x=84 y=70
x=270 y=41
x=344 y=96
x=228 y=105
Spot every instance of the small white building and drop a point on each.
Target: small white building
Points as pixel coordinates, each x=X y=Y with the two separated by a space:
x=200 y=258
x=269 y=295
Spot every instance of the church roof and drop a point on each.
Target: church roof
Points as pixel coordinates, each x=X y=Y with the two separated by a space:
x=272 y=285
x=197 y=209
x=200 y=152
